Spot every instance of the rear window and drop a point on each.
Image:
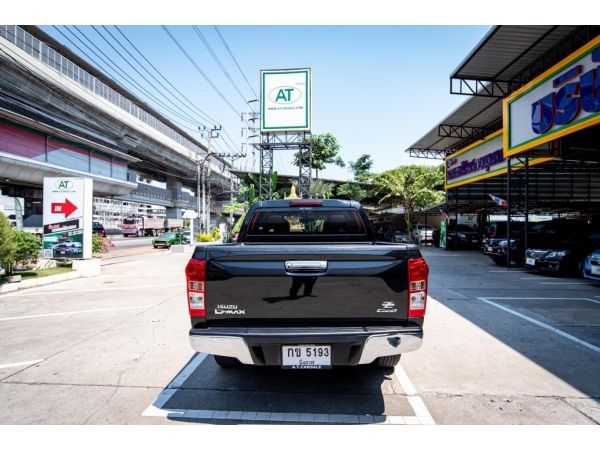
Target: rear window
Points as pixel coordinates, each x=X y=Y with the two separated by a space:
x=306 y=222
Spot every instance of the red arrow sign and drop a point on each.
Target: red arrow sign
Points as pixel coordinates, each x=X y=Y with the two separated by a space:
x=67 y=208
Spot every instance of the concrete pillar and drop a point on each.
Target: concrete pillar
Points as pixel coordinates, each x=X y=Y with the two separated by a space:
x=174 y=212
x=178 y=197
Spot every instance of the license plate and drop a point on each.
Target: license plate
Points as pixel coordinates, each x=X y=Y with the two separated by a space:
x=530 y=261
x=306 y=356
x=488 y=248
x=595 y=270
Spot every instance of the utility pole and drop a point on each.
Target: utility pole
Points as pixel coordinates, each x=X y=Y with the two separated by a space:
x=209 y=134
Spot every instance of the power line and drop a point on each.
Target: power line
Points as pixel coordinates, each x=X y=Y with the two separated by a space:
x=111 y=66
x=116 y=69
x=199 y=70
x=150 y=73
x=218 y=61
x=233 y=58
x=136 y=70
x=174 y=87
x=209 y=118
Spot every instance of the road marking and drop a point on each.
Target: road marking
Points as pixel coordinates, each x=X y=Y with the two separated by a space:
x=68 y=313
x=569 y=283
x=74 y=291
x=156 y=407
x=416 y=402
x=19 y=364
x=542 y=298
x=541 y=324
x=457 y=294
x=508 y=270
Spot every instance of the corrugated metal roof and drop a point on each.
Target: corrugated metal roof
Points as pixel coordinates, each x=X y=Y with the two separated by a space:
x=508 y=49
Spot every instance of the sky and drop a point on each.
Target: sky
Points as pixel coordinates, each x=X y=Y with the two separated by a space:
x=378 y=89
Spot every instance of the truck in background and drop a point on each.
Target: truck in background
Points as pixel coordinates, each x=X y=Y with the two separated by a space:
x=149 y=226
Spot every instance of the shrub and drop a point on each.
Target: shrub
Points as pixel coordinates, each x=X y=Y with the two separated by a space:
x=203 y=237
x=215 y=233
x=8 y=245
x=28 y=247
x=102 y=244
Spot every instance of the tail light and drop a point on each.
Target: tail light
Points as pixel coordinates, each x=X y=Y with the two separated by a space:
x=418 y=272
x=492 y=234
x=195 y=275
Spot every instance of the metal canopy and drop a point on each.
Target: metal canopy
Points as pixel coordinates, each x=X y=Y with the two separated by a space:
x=512 y=55
x=481 y=116
x=505 y=59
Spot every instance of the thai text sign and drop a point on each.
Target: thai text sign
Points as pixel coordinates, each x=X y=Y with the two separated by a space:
x=483 y=159
x=564 y=99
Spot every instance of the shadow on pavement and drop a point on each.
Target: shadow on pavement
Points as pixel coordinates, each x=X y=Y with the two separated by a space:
x=207 y=393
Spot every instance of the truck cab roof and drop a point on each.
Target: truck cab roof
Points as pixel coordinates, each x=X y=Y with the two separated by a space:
x=299 y=202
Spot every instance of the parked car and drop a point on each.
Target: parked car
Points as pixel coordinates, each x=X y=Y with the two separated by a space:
x=286 y=294
x=400 y=236
x=539 y=235
x=591 y=266
x=424 y=233
x=564 y=257
x=462 y=237
x=167 y=239
x=495 y=239
x=98 y=228
x=187 y=235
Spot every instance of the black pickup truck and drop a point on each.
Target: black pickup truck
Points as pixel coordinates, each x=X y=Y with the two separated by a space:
x=306 y=286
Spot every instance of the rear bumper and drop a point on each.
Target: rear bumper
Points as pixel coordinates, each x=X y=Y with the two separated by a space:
x=350 y=345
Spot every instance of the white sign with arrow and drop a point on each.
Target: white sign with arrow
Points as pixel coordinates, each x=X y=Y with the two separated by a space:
x=68 y=218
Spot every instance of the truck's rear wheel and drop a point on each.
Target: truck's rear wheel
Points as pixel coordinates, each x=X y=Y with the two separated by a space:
x=388 y=362
x=226 y=361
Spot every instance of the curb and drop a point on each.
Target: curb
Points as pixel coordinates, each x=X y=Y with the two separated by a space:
x=43 y=281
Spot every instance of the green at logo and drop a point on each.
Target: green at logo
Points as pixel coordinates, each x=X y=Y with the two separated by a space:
x=284 y=95
x=63 y=184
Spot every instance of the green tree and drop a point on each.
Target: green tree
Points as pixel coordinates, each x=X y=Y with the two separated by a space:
x=325 y=151
x=362 y=167
x=351 y=191
x=28 y=247
x=414 y=187
x=8 y=245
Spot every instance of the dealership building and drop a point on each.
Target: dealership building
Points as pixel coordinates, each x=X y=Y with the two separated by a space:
x=527 y=139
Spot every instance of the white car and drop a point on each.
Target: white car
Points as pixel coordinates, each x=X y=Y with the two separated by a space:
x=425 y=232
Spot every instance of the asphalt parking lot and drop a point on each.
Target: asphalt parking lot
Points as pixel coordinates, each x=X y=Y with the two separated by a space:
x=501 y=347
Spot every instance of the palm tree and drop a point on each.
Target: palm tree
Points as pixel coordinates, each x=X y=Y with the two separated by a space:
x=414 y=187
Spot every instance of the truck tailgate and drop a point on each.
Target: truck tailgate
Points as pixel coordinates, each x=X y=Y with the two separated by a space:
x=306 y=284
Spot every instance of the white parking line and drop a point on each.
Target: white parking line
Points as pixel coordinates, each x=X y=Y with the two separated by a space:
x=68 y=313
x=541 y=324
x=513 y=270
x=423 y=417
x=561 y=283
x=417 y=403
x=19 y=364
